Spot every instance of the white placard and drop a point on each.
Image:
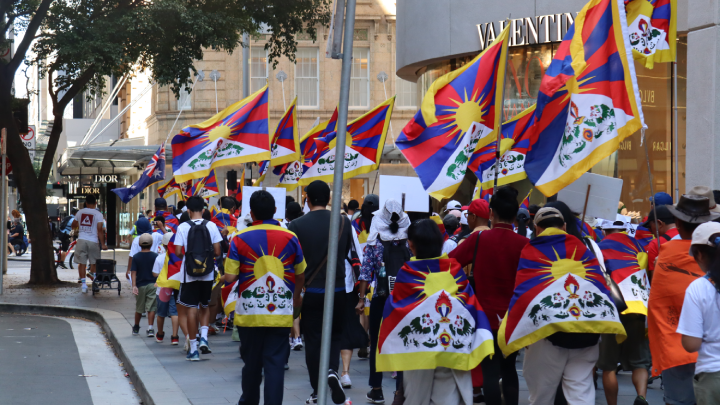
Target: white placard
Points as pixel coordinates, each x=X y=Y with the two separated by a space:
x=604 y=195
x=416 y=198
x=278 y=194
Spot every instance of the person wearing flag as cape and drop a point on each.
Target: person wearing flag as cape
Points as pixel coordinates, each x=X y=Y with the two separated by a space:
x=268 y=262
x=560 y=306
x=626 y=262
x=433 y=327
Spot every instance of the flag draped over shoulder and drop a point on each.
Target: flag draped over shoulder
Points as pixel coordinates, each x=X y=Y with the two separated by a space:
x=588 y=100
x=514 y=144
x=153 y=173
x=652 y=30
x=433 y=319
x=171 y=274
x=559 y=288
x=224 y=218
x=364 y=142
x=626 y=261
x=285 y=145
x=237 y=134
x=458 y=116
x=229 y=296
x=644 y=236
x=206 y=187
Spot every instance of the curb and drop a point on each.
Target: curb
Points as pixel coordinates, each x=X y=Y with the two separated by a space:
x=153 y=383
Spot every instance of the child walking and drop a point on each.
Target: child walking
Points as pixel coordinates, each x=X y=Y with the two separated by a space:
x=143 y=281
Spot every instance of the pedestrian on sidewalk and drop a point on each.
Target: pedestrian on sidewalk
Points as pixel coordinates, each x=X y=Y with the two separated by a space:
x=198 y=238
x=700 y=318
x=65 y=236
x=312 y=230
x=269 y=263
x=386 y=249
x=165 y=298
x=143 y=281
x=91 y=238
x=143 y=226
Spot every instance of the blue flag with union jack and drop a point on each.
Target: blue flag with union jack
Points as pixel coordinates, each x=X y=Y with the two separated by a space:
x=433 y=319
x=153 y=173
x=459 y=115
x=237 y=134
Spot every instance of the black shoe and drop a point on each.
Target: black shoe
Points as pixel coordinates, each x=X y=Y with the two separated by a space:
x=375 y=397
x=312 y=399
x=478 y=399
x=640 y=400
x=336 y=391
x=136 y=330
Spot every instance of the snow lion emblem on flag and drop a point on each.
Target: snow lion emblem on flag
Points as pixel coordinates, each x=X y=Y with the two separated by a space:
x=583 y=129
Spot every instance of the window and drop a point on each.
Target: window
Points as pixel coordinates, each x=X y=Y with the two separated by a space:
x=360 y=78
x=258 y=68
x=406 y=93
x=307 y=83
x=184 y=102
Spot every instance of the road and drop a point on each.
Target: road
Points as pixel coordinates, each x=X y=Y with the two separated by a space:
x=48 y=360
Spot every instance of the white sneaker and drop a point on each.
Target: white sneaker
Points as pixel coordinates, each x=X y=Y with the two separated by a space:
x=298 y=344
x=186 y=347
x=84 y=288
x=345 y=381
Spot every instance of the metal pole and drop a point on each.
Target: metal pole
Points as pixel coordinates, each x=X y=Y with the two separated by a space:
x=246 y=65
x=3 y=207
x=383 y=77
x=336 y=202
x=675 y=134
x=652 y=188
x=282 y=76
x=499 y=125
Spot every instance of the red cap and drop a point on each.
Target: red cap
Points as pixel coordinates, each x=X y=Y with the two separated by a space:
x=480 y=208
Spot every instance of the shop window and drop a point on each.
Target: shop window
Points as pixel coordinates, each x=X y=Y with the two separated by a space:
x=307 y=81
x=360 y=78
x=406 y=93
x=184 y=101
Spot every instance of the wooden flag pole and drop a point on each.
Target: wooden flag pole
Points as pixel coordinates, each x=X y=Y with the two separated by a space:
x=499 y=126
x=652 y=188
x=587 y=197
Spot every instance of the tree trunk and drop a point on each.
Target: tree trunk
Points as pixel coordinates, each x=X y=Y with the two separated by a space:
x=32 y=193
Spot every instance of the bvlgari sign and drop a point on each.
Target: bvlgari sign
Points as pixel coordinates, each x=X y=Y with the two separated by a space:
x=542 y=29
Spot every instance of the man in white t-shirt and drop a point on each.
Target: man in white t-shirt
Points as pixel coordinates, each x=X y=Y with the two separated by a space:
x=142 y=225
x=91 y=238
x=195 y=292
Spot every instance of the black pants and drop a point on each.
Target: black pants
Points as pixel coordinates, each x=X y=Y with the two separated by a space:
x=263 y=348
x=376 y=310
x=500 y=367
x=311 y=324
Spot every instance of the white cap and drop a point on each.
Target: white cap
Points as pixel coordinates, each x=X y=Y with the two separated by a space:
x=703 y=233
x=453 y=205
x=166 y=238
x=605 y=224
x=463 y=218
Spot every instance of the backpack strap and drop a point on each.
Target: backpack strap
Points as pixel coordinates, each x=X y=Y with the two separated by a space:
x=322 y=263
x=666 y=237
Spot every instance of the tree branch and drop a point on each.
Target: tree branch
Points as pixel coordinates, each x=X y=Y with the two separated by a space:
x=30 y=32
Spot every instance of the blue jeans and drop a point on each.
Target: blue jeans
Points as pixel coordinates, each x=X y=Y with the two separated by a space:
x=263 y=348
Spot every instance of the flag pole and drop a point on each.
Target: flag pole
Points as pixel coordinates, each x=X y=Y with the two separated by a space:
x=675 y=135
x=499 y=125
x=200 y=76
x=652 y=188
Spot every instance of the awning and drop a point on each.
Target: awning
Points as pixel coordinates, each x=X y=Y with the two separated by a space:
x=119 y=156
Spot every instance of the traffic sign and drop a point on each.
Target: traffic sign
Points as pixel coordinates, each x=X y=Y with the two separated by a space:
x=30 y=140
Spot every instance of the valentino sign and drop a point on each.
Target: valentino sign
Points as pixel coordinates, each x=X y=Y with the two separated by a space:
x=542 y=29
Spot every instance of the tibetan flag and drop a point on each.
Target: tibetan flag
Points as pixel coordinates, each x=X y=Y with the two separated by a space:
x=459 y=115
x=514 y=144
x=237 y=134
x=213 y=210
x=364 y=142
x=525 y=204
x=263 y=170
x=266 y=258
x=652 y=30
x=644 y=236
x=480 y=192
x=171 y=274
x=362 y=231
x=206 y=187
x=153 y=173
x=171 y=220
x=290 y=173
x=433 y=319
x=626 y=262
x=229 y=296
x=171 y=188
x=285 y=145
x=439 y=221
x=559 y=288
x=224 y=218
x=588 y=100
x=586 y=230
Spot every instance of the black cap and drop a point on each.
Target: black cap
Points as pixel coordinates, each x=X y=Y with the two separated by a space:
x=663 y=214
x=160 y=202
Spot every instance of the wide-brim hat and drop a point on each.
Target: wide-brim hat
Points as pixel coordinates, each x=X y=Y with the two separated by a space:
x=706 y=192
x=693 y=209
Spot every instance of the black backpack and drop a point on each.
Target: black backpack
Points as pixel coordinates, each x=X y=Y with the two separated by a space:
x=394 y=257
x=199 y=252
x=64 y=223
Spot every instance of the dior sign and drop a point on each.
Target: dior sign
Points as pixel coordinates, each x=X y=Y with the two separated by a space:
x=543 y=29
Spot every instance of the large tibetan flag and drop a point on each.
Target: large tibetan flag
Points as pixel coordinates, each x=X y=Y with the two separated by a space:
x=588 y=100
x=459 y=115
x=626 y=261
x=364 y=142
x=237 y=134
x=652 y=30
x=285 y=145
x=154 y=172
x=229 y=296
x=514 y=144
x=480 y=192
x=170 y=275
x=433 y=319
x=559 y=288
x=206 y=187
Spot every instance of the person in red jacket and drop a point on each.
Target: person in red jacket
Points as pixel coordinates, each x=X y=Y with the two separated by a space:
x=495 y=254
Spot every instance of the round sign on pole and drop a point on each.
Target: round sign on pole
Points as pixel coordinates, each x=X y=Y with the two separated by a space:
x=30 y=135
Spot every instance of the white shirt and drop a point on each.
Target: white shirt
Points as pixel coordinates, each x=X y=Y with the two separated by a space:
x=449 y=246
x=157 y=242
x=700 y=318
x=181 y=240
x=88 y=220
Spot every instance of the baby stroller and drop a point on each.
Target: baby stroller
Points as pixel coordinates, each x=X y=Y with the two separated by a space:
x=105 y=275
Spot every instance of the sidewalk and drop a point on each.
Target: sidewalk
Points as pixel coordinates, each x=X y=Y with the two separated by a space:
x=216 y=379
